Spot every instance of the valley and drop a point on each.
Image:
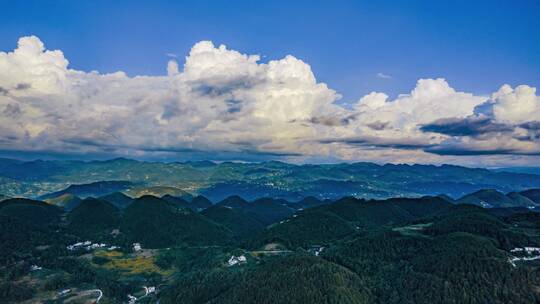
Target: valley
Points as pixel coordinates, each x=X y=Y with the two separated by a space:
x=216 y=181
x=186 y=249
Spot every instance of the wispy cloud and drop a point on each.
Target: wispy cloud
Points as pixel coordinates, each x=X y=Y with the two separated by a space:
x=383 y=75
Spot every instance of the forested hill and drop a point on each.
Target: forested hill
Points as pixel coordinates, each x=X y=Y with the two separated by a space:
x=351 y=250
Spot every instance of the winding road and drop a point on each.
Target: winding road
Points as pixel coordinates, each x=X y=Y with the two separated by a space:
x=99 y=292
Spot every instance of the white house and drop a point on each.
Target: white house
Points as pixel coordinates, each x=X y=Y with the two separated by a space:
x=149 y=290
x=75 y=246
x=64 y=292
x=237 y=260
x=137 y=246
x=132 y=299
x=532 y=249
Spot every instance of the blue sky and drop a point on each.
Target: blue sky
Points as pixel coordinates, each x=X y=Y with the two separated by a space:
x=476 y=45
x=300 y=81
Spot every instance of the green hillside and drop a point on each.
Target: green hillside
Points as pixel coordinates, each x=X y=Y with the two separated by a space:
x=368 y=214
x=311 y=280
x=305 y=229
x=67 y=201
x=264 y=210
x=519 y=200
x=177 y=201
x=158 y=191
x=93 y=217
x=532 y=194
x=34 y=213
x=457 y=267
x=290 y=279
x=241 y=224
x=334 y=221
x=93 y=189
x=487 y=198
x=24 y=225
x=399 y=250
x=117 y=199
x=155 y=223
x=421 y=207
x=197 y=204
x=200 y=203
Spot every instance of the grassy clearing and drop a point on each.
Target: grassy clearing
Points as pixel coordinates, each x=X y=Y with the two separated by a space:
x=135 y=266
x=108 y=254
x=412 y=230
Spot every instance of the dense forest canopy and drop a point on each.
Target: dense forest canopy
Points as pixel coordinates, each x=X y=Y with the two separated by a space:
x=400 y=250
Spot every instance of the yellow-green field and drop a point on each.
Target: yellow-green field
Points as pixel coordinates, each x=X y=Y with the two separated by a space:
x=130 y=264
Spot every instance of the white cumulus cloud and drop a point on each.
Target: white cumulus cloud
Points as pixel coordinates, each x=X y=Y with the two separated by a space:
x=224 y=101
x=516 y=105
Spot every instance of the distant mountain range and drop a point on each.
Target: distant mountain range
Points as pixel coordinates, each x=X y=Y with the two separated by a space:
x=530 y=170
x=217 y=181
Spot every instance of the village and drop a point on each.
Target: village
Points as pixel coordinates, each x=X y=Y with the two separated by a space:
x=88 y=246
x=96 y=249
x=527 y=254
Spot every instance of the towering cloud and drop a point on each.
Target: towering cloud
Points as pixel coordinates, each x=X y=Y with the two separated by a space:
x=223 y=101
x=516 y=106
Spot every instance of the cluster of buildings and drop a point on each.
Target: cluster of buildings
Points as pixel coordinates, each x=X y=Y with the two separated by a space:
x=88 y=245
x=529 y=250
x=316 y=250
x=532 y=253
